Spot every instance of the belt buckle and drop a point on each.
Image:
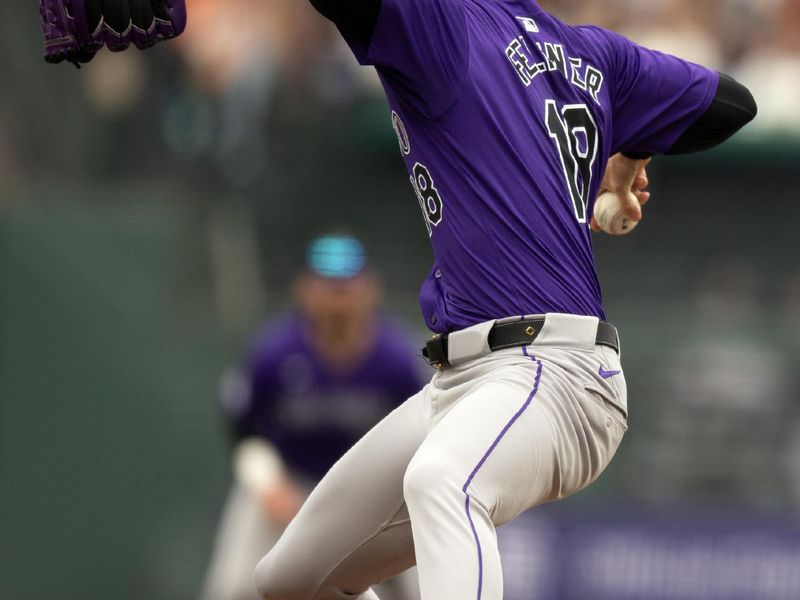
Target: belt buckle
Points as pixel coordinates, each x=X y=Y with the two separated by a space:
x=435 y=351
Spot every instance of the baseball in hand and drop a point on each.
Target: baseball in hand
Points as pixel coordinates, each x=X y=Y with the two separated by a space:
x=610 y=216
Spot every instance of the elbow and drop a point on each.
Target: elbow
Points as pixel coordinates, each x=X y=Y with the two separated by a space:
x=733 y=108
x=741 y=111
x=749 y=107
x=739 y=99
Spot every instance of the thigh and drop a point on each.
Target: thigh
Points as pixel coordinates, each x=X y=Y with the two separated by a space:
x=529 y=431
x=353 y=530
x=494 y=440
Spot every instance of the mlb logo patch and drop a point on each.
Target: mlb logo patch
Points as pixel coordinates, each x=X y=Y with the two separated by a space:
x=529 y=24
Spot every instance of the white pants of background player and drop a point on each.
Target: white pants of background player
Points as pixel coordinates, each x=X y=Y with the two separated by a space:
x=481 y=443
x=244 y=535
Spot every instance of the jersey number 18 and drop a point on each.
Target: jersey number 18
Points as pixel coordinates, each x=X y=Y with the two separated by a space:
x=575 y=133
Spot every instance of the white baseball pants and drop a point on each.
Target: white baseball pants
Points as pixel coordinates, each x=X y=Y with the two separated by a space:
x=244 y=535
x=481 y=443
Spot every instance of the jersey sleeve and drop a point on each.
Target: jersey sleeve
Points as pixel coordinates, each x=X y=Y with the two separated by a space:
x=420 y=47
x=655 y=97
x=248 y=392
x=246 y=401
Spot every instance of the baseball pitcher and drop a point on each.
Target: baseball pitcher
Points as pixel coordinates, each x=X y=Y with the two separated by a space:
x=510 y=122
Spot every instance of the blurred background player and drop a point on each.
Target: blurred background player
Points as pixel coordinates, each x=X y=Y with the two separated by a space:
x=315 y=381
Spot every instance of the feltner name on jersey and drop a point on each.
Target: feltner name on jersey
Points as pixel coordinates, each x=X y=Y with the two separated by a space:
x=518 y=52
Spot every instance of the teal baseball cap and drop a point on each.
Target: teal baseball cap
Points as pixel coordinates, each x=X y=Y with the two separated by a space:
x=336 y=256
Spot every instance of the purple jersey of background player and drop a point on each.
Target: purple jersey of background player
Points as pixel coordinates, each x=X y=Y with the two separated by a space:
x=506 y=119
x=310 y=414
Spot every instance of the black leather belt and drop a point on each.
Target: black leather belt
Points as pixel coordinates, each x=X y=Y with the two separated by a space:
x=511 y=334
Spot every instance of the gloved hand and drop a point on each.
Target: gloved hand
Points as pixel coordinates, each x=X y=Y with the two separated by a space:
x=75 y=30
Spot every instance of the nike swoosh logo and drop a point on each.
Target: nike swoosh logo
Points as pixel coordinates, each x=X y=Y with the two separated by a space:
x=606 y=374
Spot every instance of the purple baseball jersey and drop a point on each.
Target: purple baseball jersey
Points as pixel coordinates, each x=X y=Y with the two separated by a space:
x=506 y=119
x=311 y=414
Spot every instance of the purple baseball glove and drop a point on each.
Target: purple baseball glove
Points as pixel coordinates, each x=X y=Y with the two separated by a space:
x=75 y=30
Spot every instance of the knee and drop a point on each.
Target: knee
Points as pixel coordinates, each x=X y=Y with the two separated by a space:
x=274 y=583
x=429 y=477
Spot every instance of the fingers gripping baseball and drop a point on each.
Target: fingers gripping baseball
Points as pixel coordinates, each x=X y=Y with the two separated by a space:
x=625 y=183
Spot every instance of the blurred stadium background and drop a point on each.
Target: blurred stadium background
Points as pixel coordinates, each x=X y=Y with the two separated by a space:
x=154 y=205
